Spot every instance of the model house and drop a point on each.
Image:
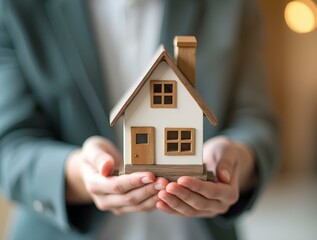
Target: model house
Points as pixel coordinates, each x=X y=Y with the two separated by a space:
x=163 y=116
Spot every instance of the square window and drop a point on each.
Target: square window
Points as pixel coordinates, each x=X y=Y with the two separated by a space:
x=179 y=141
x=168 y=88
x=185 y=147
x=157 y=88
x=141 y=138
x=163 y=93
x=172 y=135
x=172 y=147
x=185 y=135
x=168 y=100
x=157 y=99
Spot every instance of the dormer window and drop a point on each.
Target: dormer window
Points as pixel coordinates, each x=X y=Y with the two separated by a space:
x=163 y=94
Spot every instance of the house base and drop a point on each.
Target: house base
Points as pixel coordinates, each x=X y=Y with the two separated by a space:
x=172 y=172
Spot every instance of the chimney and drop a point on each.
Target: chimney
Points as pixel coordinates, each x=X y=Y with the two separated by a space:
x=185 y=55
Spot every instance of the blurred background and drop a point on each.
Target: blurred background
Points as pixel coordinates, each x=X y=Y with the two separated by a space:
x=288 y=207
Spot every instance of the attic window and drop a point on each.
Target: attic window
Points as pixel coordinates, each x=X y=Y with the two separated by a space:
x=163 y=94
x=179 y=141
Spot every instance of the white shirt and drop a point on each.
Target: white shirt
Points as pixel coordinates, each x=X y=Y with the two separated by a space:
x=128 y=32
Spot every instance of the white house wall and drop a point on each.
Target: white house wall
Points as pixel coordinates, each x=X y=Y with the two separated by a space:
x=187 y=115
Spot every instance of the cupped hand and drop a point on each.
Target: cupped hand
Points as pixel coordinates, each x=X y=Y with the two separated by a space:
x=120 y=194
x=196 y=198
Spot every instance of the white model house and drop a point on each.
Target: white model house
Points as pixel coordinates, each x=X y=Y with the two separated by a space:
x=163 y=116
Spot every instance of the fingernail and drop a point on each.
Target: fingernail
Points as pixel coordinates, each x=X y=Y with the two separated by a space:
x=146 y=180
x=158 y=186
x=226 y=175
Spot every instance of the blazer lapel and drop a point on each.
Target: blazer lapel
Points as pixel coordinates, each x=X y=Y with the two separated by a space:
x=72 y=28
x=181 y=17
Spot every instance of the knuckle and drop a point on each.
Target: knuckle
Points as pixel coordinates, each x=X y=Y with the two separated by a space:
x=148 y=190
x=201 y=205
x=130 y=200
x=118 y=188
x=175 y=204
x=186 y=196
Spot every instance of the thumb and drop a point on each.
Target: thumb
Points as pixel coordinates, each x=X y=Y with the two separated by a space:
x=225 y=170
x=98 y=157
x=105 y=164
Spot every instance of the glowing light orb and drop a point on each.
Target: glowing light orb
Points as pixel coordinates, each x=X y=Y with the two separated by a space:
x=301 y=16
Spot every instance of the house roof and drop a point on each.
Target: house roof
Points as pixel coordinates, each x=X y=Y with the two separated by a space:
x=127 y=98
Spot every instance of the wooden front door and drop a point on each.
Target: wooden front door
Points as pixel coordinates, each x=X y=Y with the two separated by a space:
x=142 y=145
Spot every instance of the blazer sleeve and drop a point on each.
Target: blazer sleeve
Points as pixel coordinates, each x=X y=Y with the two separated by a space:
x=31 y=160
x=251 y=116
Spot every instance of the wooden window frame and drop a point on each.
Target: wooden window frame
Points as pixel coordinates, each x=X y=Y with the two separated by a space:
x=179 y=141
x=162 y=94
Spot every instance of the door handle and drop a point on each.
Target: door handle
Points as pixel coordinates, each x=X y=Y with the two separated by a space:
x=136 y=155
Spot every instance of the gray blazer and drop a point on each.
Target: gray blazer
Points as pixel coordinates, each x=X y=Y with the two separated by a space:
x=52 y=98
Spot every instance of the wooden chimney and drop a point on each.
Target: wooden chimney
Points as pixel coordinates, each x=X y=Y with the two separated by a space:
x=185 y=55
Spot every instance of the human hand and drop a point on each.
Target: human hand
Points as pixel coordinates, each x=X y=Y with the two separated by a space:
x=120 y=194
x=196 y=198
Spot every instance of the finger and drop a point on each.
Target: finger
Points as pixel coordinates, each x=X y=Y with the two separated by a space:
x=234 y=194
x=209 y=158
x=217 y=191
x=101 y=143
x=106 y=165
x=108 y=147
x=100 y=160
x=99 y=150
x=225 y=169
x=177 y=204
x=146 y=206
x=165 y=208
x=193 y=199
x=120 y=184
x=94 y=182
x=103 y=163
x=135 y=196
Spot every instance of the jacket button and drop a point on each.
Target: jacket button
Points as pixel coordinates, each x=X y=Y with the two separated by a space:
x=38 y=206
x=43 y=207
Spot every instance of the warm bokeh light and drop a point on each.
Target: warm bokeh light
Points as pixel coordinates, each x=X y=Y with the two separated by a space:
x=300 y=16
